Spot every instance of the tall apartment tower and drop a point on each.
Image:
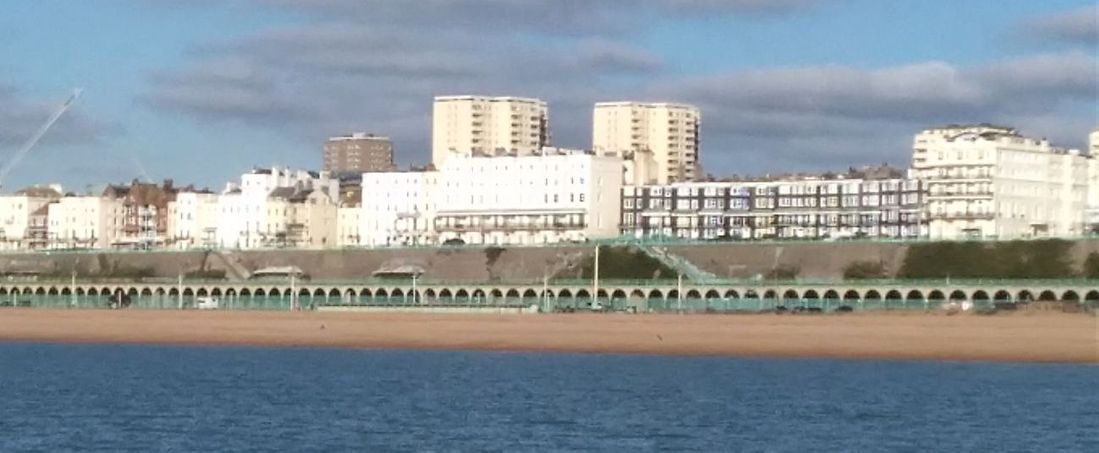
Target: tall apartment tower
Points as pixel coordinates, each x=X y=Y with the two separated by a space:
x=661 y=138
x=358 y=153
x=480 y=125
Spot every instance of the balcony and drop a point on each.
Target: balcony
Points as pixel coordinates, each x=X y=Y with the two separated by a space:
x=960 y=216
x=556 y=226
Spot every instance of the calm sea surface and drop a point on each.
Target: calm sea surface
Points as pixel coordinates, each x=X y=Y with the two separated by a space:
x=146 y=398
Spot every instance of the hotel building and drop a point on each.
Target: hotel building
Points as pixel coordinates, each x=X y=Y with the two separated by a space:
x=558 y=195
x=987 y=181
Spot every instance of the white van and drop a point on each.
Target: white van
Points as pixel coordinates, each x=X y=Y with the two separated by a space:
x=206 y=303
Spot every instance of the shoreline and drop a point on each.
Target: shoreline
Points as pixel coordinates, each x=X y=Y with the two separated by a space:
x=1017 y=337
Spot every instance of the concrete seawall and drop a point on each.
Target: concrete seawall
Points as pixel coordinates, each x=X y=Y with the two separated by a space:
x=814 y=260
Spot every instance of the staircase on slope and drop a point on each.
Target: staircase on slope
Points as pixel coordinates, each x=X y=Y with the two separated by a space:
x=233 y=269
x=680 y=264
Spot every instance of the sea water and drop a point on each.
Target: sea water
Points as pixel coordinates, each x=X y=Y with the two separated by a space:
x=153 y=398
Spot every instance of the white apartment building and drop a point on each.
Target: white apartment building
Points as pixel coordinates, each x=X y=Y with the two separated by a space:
x=559 y=195
x=661 y=139
x=1092 y=215
x=192 y=220
x=348 y=222
x=779 y=209
x=278 y=207
x=16 y=212
x=989 y=181
x=87 y=222
x=398 y=208
x=481 y=125
x=1093 y=143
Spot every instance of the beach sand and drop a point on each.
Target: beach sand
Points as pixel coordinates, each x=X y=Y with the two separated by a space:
x=1016 y=337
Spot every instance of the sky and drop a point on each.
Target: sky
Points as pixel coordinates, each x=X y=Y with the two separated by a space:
x=202 y=90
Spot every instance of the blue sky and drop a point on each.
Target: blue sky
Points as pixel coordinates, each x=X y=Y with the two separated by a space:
x=202 y=90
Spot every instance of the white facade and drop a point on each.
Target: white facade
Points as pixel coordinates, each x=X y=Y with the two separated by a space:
x=555 y=197
x=398 y=207
x=1092 y=215
x=348 y=223
x=314 y=220
x=480 y=125
x=15 y=219
x=991 y=182
x=85 y=222
x=1093 y=143
x=276 y=208
x=192 y=220
x=661 y=138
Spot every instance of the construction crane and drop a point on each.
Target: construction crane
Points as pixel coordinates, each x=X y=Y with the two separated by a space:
x=22 y=152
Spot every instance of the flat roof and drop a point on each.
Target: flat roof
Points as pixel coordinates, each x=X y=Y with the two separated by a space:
x=470 y=97
x=644 y=104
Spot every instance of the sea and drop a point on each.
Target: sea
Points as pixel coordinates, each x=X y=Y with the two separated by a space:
x=63 y=397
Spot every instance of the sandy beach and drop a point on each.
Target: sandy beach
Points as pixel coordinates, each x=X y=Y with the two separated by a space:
x=1018 y=337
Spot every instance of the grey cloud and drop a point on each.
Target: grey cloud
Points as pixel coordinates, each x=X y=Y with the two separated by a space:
x=789 y=109
x=374 y=66
x=20 y=117
x=223 y=89
x=1077 y=26
x=616 y=57
x=320 y=79
x=1072 y=75
x=580 y=17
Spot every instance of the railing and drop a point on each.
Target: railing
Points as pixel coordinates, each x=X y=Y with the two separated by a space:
x=623 y=241
x=603 y=283
x=659 y=304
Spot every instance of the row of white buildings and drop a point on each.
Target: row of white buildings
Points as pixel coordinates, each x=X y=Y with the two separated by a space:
x=977 y=181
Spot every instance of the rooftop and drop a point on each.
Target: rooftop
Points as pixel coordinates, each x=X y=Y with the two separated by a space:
x=358 y=136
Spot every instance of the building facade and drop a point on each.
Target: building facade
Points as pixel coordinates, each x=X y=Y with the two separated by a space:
x=806 y=209
x=480 y=125
x=987 y=181
x=86 y=222
x=358 y=153
x=145 y=214
x=661 y=139
x=278 y=207
x=556 y=196
x=1092 y=214
x=192 y=220
x=398 y=208
x=21 y=217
